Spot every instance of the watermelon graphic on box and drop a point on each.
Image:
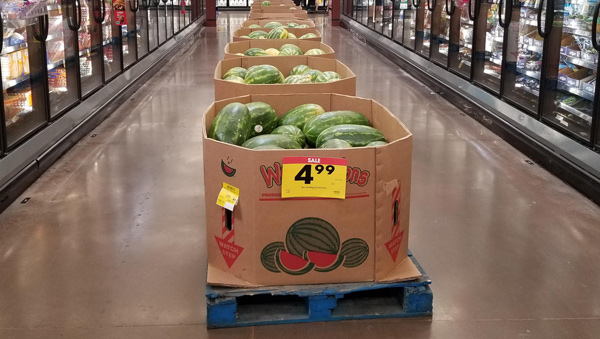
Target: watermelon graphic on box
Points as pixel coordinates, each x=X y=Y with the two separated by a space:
x=313 y=244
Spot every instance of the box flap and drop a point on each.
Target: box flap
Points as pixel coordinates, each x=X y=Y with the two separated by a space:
x=217 y=277
x=405 y=271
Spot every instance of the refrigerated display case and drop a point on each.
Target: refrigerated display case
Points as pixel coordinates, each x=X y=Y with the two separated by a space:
x=141 y=18
x=487 y=61
x=90 y=46
x=153 y=31
x=573 y=63
x=440 y=32
x=413 y=25
x=225 y=4
x=23 y=72
x=461 y=52
x=129 y=34
x=169 y=18
x=111 y=40
x=64 y=20
x=423 y=34
x=400 y=6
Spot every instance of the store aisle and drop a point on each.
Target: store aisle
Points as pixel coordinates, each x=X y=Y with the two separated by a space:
x=111 y=243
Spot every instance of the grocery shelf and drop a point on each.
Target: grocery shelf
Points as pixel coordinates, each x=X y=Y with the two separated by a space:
x=496 y=61
x=575 y=90
x=499 y=39
x=579 y=61
x=537 y=49
x=56 y=64
x=530 y=22
x=469 y=46
x=531 y=74
x=576 y=112
x=14 y=82
x=466 y=23
x=577 y=31
x=492 y=73
x=18 y=116
x=53 y=7
x=14 y=48
x=444 y=52
x=58 y=35
x=530 y=91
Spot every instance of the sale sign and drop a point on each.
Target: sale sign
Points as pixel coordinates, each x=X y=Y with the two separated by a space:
x=314 y=177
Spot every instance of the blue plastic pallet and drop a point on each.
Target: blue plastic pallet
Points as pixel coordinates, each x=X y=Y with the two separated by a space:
x=232 y=307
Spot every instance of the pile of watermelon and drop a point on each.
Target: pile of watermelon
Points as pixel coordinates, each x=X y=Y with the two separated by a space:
x=287 y=49
x=256 y=126
x=274 y=24
x=276 y=33
x=265 y=3
x=267 y=74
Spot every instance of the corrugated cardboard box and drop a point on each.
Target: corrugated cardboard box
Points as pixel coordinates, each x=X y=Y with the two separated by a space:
x=262 y=23
x=227 y=89
x=268 y=16
x=375 y=212
x=298 y=32
x=242 y=46
x=278 y=9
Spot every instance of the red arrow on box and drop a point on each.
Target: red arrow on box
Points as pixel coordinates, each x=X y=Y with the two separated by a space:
x=393 y=246
x=229 y=250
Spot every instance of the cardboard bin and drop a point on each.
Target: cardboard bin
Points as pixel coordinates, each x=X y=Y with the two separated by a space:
x=242 y=46
x=243 y=245
x=262 y=23
x=227 y=89
x=298 y=32
x=273 y=16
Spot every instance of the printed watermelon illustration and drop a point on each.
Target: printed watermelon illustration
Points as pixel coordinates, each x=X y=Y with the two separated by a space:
x=313 y=244
x=229 y=171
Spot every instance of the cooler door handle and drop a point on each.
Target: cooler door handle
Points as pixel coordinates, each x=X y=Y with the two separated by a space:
x=472 y=15
x=544 y=33
x=450 y=9
x=500 y=7
x=595 y=27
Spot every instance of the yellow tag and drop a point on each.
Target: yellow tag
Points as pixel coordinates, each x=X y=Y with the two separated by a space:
x=314 y=177
x=228 y=196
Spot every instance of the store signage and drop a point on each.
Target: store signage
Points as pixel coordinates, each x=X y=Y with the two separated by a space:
x=314 y=177
x=120 y=14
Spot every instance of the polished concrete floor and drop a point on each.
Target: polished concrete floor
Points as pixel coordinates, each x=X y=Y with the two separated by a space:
x=112 y=242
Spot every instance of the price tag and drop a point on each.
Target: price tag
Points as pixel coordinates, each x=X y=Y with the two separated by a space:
x=314 y=177
x=228 y=196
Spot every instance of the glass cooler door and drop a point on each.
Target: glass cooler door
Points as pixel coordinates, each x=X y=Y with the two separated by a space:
x=573 y=64
x=129 y=34
x=22 y=67
x=111 y=37
x=424 y=33
x=141 y=18
x=491 y=22
x=411 y=15
x=440 y=32
x=90 y=46
x=459 y=58
x=400 y=6
x=62 y=54
x=153 y=30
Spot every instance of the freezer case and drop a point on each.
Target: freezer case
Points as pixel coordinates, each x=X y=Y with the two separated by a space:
x=571 y=71
x=460 y=53
x=141 y=18
x=129 y=34
x=90 y=46
x=440 y=31
x=23 y=73
x=111 y=40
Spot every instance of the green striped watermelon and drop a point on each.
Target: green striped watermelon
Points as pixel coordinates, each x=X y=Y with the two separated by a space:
x=282 y=141
x=292 y=264
x=314 y=235
x=263 y=118
x=272 y=51
x=267 y=256
x=231 y=125
x=292 y=132
x=264 y=74
x=355 y=251
x=308 y=36
x=318 y=124
x=255 y=52
x=273 y=24
x=302 y=26
x=300 y=69
x=291 y=36
x=297 y=79
x=333 y=76
x=298 y=116
x=278 y=33
x=234 y=78
x=290 y=49
x=377 y=143
x=336 y=143
x=314 y=51
x=292 y=25
x=267 y=147
x=356 y=135
x=265 y=3
x=257 y=34
x=254 y=26
x=317 y=76
x=239 y=71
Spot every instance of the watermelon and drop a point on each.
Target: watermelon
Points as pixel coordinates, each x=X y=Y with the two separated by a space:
x=229 y=171
x=356 y=135
x=336 y=143
x=234 y=78
x=316 y=76
x=271 y=139
x=272 y=51
x=290 y=49
x=297 y=79
x=267 y=147
x=291 y=36
x=377 y=143
x=314 y=51
x=240 y=54
x=231 y=125
x=292 y=264
x=314 y=235
x=292 y=25
x=254 y=26
x=302 y=26
x=255 y=52
x=239 y=71
x=273 y=24
x=263 y=118
x=300 y=69
x=308 y=36
x=298 y=116
x=292 y=132
x=318 y=124
x=278 y=33
x=245 y=36
x=354 y=251
x=321 y=259
x=264 y=74
x=265 y=3
x=267 y=256
x=333 y=76
x=257 y=34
